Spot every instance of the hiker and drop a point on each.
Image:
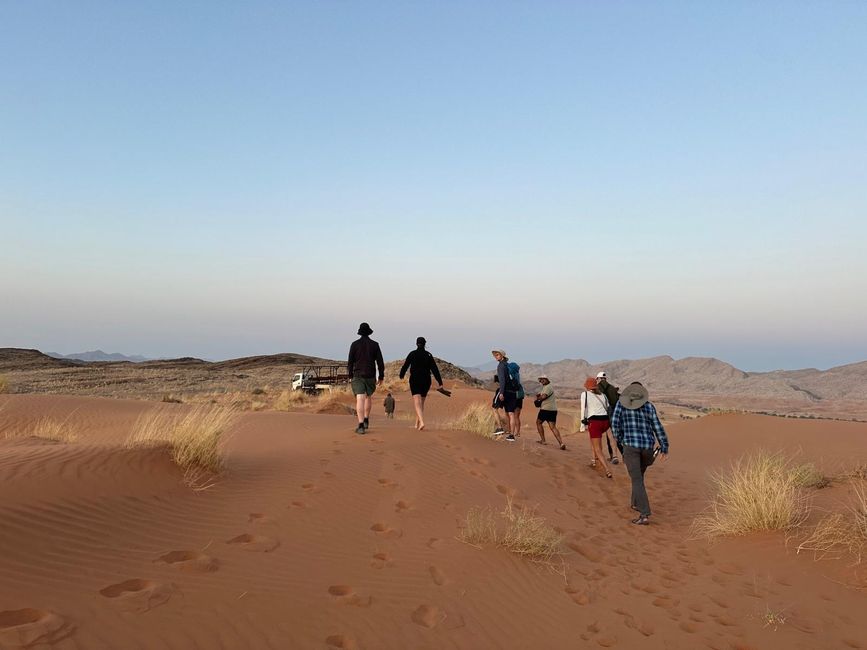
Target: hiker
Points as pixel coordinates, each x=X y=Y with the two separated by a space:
x=421 y=365
x=388 y=403
x=364 y=356
x=547 y=404
x=515 y=371
x=499 y=414
x=594 y=418
x=613 y=394
x=508 y=393
x=637 y=427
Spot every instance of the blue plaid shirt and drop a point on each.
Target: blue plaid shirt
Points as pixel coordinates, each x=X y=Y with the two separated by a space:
x=639 y=428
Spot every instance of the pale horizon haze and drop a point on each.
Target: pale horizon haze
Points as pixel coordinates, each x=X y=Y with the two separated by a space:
x=565 y=180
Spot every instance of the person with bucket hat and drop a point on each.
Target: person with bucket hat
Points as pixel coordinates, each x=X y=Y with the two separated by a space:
x=594 y=418
x=613 y=394
x=364 y=357
x=637 y=427
x=547 y=404
x=421 y=366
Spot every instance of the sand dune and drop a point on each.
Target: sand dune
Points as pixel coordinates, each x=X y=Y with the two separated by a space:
x=319 y=538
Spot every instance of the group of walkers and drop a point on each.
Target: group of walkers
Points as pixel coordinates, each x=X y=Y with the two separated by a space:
x=629 y=417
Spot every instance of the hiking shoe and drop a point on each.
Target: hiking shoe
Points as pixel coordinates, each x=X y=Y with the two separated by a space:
x=510 y=437
x=366 y=424
x=498 y=432
x=641 y=521
x=360 y=429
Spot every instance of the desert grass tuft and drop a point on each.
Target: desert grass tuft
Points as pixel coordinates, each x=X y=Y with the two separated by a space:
x=194 y=437
x=4 y=384
x=49 y=428
x=289 y=398
x=760 y=492
x=840 y=534
x=808 y=476
x=518 y=529
x=478 y=419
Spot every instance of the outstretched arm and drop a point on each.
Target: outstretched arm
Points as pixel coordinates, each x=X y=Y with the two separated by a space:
x=435 y=370
x=405 y=365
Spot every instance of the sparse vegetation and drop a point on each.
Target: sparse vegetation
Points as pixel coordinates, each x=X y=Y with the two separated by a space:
x=840 y=534
x=46 y=428
x=194 y=437
x=760 y=492
x=773 y=618
x=258 y=391
x=4 y=384
x=289 y=398
x=171 y=399
x=517 y=529
x=808 y=476
x=478 y=418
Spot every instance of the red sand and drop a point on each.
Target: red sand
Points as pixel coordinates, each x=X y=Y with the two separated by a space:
x=319 y=538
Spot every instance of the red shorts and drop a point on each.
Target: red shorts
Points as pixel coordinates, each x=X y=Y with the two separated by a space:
x=597 y=428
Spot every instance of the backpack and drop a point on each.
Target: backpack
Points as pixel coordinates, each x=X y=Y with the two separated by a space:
x=513 y=379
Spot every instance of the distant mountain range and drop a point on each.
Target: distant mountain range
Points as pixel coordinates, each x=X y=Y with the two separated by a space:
x=98 y=355
x=664 y=375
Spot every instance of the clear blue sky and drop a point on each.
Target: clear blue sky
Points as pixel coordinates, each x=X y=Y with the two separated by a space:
x=599 y=180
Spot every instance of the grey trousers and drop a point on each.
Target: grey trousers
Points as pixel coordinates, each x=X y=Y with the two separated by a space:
x=637 y=461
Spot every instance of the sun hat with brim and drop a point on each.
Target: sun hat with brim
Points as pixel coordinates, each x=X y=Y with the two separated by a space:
x=498 y=351
x=590 y=383
x=601 y=375
x=364 y=329
x=541 y=377
x=634 y=396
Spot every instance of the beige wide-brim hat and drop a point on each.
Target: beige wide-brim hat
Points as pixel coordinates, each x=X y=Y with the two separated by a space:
x=541 y=377
x=498 y=351
x=634 y=396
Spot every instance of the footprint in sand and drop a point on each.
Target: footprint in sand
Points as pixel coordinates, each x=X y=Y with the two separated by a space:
x=23 y=628
x=190 y=561
x=341 y=641
x=259 y=543
x=381 y=560
x=256 y=518
x=384 y=530
x=300 y=505
x=427 y=616
x=578 y=596
x=402 y=506
x=386 y=482
x=137 y=595
x=437 y=576
x=345 y=595
x=434 y=542
x=308 y=487
x=327 y=474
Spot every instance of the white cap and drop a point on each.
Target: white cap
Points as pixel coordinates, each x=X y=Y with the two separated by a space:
x=601 y=375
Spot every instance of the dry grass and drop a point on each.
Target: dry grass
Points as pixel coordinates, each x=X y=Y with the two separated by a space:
x=808 y=476
x=478 y=419
x=840 y=534
x=518 y=530
x=760 y=492
x=4 y=384
x=290 y=398
x=773 y=618
x=47 y=428
x=194 y=436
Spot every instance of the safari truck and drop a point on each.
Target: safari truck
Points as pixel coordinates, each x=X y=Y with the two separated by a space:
x=313 y=379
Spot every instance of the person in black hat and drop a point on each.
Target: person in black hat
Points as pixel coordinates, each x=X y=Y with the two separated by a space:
x=421 y=365
x=364 y=356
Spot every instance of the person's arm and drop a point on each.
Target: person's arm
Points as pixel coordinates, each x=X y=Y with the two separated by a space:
x=435 y=370
x=405 y=366
x=615 y=422
x=658 y=430
x=380 y=363
x=501 y=378
x=351 y=363
x=583 y=402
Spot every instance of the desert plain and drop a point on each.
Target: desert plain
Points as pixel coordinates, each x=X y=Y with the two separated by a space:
x=311 y=536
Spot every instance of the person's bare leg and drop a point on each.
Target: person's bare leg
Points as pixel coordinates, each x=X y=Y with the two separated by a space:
x=596 y=443
x=368 y=405
x=500 y=416
x=359 y=407
x=517 y=429
x=418 y=403
x=513 y=422
x=555 y=431
x=541 y=431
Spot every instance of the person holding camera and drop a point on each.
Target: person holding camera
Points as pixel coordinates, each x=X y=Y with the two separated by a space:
x=594 y=418
x=637 y=427
x=547 y=405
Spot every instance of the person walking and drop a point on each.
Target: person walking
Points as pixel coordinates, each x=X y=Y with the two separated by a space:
x=388 y=403
x=613 y=394
x=364 y=358
x=508 y=395
x=547 y=404
x=637 y=427
x=594 y=418
x=421 y=366
x=499 y=414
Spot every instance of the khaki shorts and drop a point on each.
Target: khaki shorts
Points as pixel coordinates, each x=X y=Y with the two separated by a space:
x=363 y=386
